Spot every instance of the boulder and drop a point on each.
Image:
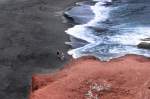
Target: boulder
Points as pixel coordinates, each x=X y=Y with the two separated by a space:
x=145 y=45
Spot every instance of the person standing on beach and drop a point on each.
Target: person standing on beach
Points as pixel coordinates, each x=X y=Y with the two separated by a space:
x=60 y=55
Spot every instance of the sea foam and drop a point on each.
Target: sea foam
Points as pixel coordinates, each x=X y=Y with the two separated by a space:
x=119 y=40
x=82 y=32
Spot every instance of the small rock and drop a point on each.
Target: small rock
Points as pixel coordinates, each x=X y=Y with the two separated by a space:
x=144 y=45
x=146 y=39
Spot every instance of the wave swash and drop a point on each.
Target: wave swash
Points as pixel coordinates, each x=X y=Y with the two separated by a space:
x=116 y=29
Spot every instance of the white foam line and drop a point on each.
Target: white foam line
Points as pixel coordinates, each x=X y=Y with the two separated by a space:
x=133 y=36
x=76 y=53
x=101 y=13
x=81 y=32
x=104 y=1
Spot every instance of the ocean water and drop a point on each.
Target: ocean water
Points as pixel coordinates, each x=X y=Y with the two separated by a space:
x=115 y=30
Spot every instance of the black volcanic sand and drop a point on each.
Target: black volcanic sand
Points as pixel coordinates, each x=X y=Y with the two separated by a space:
x=30 y=33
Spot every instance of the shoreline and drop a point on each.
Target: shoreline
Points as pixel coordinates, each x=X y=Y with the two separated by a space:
x=125 y=75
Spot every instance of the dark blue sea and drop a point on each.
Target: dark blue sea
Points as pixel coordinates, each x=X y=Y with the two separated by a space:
x=109 y=29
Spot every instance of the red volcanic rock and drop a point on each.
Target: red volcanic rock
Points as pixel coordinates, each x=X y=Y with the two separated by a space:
x=87 y=78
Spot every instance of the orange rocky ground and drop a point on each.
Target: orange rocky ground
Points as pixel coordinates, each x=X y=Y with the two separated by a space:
x=127 y=77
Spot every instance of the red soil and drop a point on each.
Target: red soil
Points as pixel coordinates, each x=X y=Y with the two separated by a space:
x=127 y=78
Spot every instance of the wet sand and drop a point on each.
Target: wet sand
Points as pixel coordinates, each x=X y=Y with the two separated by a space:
x=30 y=33
x=88 y=78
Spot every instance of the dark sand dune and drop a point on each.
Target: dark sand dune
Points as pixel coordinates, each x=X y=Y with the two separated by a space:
x=30 y=33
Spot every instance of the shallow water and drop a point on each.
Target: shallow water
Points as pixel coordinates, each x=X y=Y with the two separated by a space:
x=116 y=29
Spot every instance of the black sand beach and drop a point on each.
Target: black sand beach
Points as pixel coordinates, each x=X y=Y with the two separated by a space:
x=30 y=33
